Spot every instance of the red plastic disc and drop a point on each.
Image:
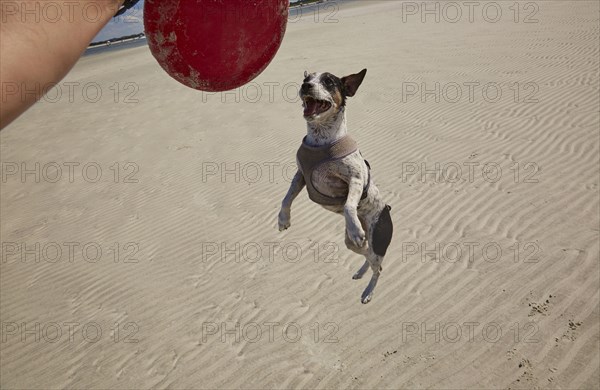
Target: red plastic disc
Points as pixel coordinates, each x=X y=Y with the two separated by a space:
x=214 y=45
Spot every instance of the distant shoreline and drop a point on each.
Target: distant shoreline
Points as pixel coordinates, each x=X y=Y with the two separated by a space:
x=114 y=41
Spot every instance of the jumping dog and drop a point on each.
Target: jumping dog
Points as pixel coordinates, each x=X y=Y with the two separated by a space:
x=335 y=174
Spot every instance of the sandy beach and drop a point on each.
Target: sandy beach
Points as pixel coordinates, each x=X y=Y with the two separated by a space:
x=139 y=234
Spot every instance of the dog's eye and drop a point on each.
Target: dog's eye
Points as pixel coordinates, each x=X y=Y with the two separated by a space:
x=328 y=82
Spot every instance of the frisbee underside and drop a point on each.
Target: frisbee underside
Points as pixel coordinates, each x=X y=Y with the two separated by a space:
x=214 y=45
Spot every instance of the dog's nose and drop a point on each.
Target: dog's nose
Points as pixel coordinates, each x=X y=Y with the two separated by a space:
x=305 y=88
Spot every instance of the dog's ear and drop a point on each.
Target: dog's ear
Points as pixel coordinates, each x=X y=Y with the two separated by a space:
x=352 y=82
x=305 y=74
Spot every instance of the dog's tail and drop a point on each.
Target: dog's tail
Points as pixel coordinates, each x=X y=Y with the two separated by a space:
x=383 y=231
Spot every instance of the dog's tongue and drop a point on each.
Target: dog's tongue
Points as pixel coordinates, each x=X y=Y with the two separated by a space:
x=311 y=107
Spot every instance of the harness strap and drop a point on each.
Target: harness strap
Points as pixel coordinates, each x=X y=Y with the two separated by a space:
x=366 y=189
x=310 y=157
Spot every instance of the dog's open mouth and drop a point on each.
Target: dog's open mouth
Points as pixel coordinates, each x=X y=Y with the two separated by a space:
x=314 y=107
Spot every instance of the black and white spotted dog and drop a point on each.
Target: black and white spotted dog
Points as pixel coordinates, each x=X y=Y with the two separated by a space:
x=335 y=174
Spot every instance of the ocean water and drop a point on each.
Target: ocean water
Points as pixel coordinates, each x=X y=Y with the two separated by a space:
x=325 y=12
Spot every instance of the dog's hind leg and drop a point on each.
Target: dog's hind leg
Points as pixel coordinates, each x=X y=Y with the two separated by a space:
x=382 y=231
x=375 y=262
x=361 y=272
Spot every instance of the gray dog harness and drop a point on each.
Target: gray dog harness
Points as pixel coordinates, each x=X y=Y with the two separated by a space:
x=311 y=157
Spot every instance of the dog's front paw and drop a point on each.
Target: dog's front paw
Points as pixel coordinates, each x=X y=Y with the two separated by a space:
x=284 y=220
x=357 y=235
